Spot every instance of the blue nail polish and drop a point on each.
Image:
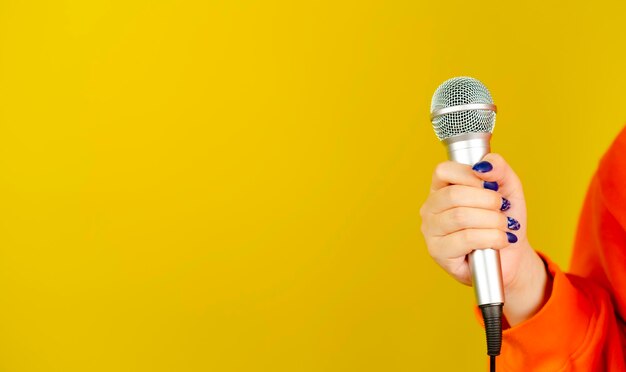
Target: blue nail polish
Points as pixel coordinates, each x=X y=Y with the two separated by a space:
x=513 y=224
x=506 y=205
x=482 y=167
x=511 y=237
x=491 y=185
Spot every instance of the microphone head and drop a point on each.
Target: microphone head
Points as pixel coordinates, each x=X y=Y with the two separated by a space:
x=462 y=105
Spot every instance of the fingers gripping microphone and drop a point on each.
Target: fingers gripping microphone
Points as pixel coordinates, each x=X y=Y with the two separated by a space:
x=463 y=117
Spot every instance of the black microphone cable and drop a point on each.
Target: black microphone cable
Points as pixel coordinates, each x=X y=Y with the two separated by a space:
x=492 y=317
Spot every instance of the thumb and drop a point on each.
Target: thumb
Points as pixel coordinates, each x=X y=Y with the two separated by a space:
x=493 y=168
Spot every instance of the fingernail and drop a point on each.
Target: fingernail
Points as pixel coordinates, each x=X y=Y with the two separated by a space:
x=482 y=167
x=513 y=224
x=490 y=185
x=506 y=205
x=511 y=237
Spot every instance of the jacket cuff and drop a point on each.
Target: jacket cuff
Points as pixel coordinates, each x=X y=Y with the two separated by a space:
x=557 y=330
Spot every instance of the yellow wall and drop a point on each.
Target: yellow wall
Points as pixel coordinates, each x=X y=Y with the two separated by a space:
x=236 y=186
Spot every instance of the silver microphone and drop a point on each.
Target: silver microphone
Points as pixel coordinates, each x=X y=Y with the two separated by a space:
x=463 y=117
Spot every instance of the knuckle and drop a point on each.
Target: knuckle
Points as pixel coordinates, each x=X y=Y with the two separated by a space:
x=432 y=250
x=424 y=228
x=467 y=236
x=424 y=209
x=453 y=195
x=458 y=217
x=440 y=171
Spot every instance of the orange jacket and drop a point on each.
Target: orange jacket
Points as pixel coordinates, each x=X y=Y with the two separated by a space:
x=581 y=327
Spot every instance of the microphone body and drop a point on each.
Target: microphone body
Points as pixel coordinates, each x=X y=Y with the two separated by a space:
x=470 y=148
x=463 y=117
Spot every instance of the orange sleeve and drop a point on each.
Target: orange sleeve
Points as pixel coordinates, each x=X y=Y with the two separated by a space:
x=581 y=326
x=574 y=331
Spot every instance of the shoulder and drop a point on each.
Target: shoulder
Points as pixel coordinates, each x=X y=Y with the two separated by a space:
x=612 y=176
x=613 y=163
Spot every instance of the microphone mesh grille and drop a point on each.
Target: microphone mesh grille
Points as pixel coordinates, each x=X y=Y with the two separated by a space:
x=461 y=91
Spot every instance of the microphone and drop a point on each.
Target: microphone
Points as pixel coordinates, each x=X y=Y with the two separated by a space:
x=463 y=117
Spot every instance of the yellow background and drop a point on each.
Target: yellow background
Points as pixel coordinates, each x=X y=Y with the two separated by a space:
x=235 y=186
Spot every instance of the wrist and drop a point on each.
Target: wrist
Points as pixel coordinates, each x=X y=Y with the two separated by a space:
x=530 y=289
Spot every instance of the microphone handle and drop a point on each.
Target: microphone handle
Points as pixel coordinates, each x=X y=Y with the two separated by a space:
x=470 y=148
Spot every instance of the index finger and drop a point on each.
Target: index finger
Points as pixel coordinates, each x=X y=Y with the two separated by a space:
x=452 y=173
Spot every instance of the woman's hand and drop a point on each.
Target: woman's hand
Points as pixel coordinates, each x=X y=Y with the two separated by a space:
x=483 y=207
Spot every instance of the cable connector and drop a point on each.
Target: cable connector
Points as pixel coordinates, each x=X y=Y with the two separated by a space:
x=492 y=317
